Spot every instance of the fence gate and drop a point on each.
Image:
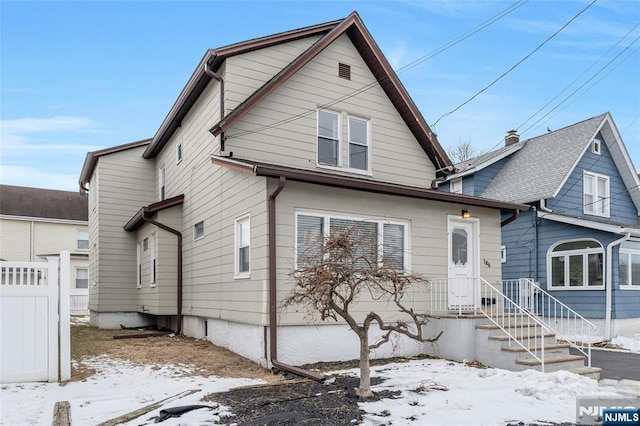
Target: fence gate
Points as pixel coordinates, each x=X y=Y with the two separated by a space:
x=34 y=320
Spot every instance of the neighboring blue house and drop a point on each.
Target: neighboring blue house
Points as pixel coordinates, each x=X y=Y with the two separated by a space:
x=580 y=240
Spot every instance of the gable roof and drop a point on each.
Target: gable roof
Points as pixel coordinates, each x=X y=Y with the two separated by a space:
x=355 y=29
x=43 y=203
x=478 y=163
x=540 y=168
x=91 y=159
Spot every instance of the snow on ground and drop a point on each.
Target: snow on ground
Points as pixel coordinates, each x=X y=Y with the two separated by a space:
x=474 y=396
x=630 y=343
x=117 y=388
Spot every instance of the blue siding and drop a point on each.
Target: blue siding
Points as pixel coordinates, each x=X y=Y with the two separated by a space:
x=570 y=199
x=468 y=183
x=484 y=176
x=519 y=238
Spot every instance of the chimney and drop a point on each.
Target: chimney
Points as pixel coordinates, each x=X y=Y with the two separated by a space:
x=511 y=138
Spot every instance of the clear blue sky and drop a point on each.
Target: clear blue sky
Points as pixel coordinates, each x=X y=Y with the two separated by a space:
x=80 y=76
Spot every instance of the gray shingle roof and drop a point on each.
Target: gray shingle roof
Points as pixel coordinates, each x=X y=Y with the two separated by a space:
x=541 y=166
x=43 y=203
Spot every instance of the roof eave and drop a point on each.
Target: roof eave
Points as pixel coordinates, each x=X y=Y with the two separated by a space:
x=138 y=219
x=91 y=158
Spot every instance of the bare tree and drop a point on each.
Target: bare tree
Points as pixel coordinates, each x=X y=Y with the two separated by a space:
x=332 y=275
x=462 y=151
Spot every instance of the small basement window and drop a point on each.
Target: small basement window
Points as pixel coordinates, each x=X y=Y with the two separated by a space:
x=344 y=71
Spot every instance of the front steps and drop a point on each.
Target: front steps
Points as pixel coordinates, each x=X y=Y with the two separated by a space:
x=496 y=349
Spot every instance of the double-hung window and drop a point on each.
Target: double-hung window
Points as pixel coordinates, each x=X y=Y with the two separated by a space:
x=82 y=239
x=629 y=263
x=328 y=138
x=82 y=278
x=242 y=247
x=358 y=143
x=379 y=243
x=596 y=194
x=575 y=265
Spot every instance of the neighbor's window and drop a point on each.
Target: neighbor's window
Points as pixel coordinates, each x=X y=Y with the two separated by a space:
x=161 y=184
x=381 y=243
x=629 y=262
x=358 y=143
x=243 y=247
x=198 y=230
x=503 y=254
x=596 y=194
x=328 y=138
x=456 y=186
x=82 y=278
x=576 y=265
x=82 y=239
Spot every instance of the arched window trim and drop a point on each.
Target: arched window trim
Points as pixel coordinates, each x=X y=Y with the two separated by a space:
x=564 y=254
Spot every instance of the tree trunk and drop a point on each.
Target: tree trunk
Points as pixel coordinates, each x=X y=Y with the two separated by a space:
x=365 y=374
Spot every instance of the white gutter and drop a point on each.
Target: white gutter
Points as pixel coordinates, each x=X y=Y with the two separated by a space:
x=609 y=285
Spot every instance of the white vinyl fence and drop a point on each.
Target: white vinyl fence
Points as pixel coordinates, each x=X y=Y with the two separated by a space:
x=34 y=321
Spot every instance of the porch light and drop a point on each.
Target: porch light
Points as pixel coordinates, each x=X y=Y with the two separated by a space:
x=465 y=214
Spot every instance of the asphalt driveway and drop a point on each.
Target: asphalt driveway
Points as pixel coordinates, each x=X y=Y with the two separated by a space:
x=616 y=365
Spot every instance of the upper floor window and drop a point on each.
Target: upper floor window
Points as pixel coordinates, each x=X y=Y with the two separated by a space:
x=575 y=265
x=242 y=247
x=82 y=239
x=380 y=243
x=198 y=230
x=358 y=143
x=629 y=262
x=179 y=152
x=596 y=194
x=456 y=186
x=153 y=259
x=161 y=184
x=328 y=138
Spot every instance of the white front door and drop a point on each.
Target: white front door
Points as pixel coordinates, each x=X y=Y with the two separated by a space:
x=463 y=264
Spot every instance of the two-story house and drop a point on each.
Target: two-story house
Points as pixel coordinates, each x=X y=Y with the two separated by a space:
x=272 y=143
x=581 y=240
x=37 y=223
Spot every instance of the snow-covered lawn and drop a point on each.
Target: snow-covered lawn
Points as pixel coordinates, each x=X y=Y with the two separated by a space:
x=473 y=396
x=630 y=343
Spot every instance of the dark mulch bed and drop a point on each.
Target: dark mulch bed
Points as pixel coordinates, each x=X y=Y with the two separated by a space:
x=297 y=402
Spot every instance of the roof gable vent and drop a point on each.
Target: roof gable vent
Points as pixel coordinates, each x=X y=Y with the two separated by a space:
x=344 y=71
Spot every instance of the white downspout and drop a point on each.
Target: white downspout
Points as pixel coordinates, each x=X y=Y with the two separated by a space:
x=543 y=206
x=609 y=285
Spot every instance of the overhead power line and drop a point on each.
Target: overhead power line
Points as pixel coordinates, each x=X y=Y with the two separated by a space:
x=511 y=8
x=515 y=65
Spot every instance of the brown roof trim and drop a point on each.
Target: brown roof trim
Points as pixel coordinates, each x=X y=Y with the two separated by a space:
x=136 y=221
x=346 y=182
x=353 y=26
x=215 y=58
x=91 y=159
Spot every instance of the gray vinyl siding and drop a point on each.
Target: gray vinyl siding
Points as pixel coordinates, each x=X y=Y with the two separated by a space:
x=124 y=183
x=273 y=137
x=570 y=198
x=246 y=73
x=428 y=234
x=518 y=238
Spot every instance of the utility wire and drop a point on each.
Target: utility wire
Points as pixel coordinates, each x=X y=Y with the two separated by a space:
x=406 y=67
x=515 y=65
x=578 y=78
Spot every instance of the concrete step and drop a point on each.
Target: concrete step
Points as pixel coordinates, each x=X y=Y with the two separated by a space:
x=524 y=326
x=549 y=338
x=550 y=349
x=553 y=363
x=591 y=372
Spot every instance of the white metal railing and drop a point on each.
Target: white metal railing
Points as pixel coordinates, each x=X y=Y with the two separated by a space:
x=519 y=324
x=566 y=323
x=477 y=296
